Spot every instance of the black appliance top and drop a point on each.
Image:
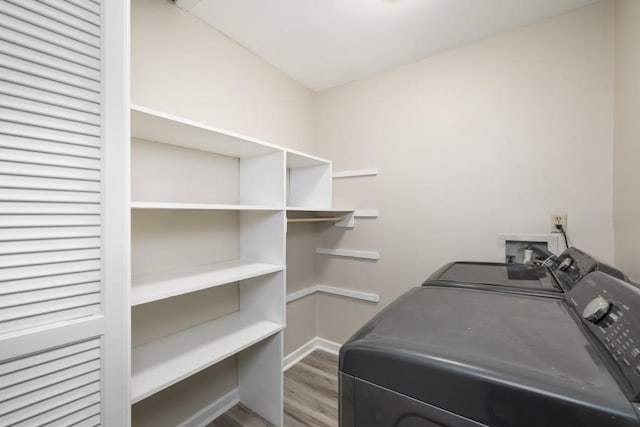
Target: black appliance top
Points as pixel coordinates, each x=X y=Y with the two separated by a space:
x=561 y=275
x=496 y=358
x=505 y=277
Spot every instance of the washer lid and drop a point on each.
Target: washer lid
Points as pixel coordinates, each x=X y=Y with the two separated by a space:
x=496 y=358
x=516 y=276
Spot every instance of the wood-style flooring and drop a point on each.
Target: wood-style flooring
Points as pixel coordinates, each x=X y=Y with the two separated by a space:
x=310 y=396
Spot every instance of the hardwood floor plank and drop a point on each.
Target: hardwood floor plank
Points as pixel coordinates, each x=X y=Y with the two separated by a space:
x=223 y=421
x=324 y=361
x=320 y=387
x=240 y=416
x=300 y=411
x=290 y=421
x=314 y=402
x=310 y=396
x=246 y=417
x=312 y=371
x=330 y=358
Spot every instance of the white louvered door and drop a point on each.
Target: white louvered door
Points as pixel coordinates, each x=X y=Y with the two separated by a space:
x=63 y=214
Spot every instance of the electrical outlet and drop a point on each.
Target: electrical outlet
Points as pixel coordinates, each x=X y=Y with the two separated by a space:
x=558 y=219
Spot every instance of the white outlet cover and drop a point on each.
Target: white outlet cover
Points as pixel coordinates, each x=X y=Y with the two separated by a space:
x=552 y=222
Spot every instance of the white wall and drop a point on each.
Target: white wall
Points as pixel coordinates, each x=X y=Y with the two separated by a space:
x=627 y=136
x=491 y=137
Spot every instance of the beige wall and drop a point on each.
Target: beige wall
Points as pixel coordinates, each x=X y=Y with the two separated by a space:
x=491 y=137
x=626 y=177
x=182 y=66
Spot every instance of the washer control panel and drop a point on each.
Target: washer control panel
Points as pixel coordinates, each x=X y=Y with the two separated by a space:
x=610 y=308
x=573 y=265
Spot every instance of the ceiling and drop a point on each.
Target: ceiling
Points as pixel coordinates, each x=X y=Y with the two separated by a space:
x=326 y=43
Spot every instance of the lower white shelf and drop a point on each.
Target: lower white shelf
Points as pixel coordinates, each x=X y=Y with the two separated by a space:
x=161 y=363
x=153 y=287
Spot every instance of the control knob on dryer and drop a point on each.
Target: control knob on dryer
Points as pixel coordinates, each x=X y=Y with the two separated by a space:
x=596 y=309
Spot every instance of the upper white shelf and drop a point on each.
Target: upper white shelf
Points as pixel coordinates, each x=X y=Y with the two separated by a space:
x=161 y=127
x=161 y=363
x=347 y=215
x=319 y=210
x=157 y=286
x=296 y=159
x=202 y=206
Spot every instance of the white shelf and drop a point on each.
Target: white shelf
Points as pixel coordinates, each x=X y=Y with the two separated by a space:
x=348 y=215
x=321 y=210
x=202 y=206
x=296 y=159
x=159 y=364
x=157 y=286
x=153 y=125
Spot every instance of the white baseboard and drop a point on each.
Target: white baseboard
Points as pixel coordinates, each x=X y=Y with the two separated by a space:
x=298 y=354
x=333 y=290
x=328 y=346
x=293 y=296
x=349 y=293
x=213 y=410
x=307 y=348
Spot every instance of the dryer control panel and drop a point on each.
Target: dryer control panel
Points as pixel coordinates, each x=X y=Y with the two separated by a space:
x=610 y=308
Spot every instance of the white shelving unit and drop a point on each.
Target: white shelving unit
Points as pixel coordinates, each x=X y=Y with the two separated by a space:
x=208 y=212
x=309 y=189
x=309 y=182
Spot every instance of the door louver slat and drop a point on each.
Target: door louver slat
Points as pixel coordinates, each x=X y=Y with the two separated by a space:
x=58 y=16
x=36 y=246
x=30 y=158
x=19 y=234
x=38 y=183
x=37 y=52
x=26 y=131
x=74 y=10
x=50 y=317
x=18 y=20
x=39 y=108
x=46 y=208
x=17 y=37
x=91 y=6
x=9 y=194
x=31 y=68
x=49 y=98
x=47 y=282
x=9 y=75
x=46 y=25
